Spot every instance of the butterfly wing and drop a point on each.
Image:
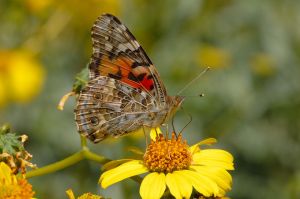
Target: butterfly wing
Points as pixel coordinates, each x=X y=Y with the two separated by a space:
x=118 y=55
x=124 y=92
x=107 y=106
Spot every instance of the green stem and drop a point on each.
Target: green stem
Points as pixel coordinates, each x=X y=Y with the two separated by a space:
x=84 y=153
x=93 y=156
x=57 y=165
x=69 y=161
x=83 y=141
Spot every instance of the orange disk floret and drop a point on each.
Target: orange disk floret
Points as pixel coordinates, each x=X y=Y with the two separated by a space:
x=167 y=155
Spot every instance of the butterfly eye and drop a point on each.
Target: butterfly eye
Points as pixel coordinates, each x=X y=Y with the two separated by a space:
x=94 y=121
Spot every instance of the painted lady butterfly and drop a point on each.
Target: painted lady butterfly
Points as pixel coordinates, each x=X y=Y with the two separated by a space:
x=124 y=92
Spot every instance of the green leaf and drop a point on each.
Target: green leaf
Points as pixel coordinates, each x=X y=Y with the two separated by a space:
x=81 y=80
x=10 y=143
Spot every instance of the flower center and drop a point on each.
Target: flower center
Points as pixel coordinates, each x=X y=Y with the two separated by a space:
x=167 y=155
x=22 y=189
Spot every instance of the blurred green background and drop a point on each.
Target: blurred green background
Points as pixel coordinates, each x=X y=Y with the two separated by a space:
x=252 y=93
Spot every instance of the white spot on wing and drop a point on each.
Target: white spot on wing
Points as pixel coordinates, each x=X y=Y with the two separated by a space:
x=108 y=47
x=137 y=45
x=123 y=27
x=122 y=48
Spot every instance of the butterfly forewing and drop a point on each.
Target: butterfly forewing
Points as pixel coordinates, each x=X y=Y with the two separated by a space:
x=117 y=54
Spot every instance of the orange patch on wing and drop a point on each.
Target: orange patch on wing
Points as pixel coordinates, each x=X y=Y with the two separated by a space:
x=147 y=83
x=121 y=67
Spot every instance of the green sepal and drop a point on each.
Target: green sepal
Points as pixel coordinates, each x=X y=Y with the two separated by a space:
x=81 y=80
x=9 y=142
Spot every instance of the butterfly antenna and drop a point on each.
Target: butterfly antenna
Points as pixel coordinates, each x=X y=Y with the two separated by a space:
x=193 y=80
x=199 y=95
x=191 y=119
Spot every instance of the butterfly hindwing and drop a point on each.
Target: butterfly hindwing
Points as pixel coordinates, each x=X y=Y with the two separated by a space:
x=109 y=107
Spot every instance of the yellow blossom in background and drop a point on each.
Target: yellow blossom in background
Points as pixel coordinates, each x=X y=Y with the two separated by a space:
x=12 y=187
x=262 y=64
x=214 y=57
x=89 y=11
x=37 y=6
x=3 y=90
x=84 y=196
x=21 y=76
x=172 y=163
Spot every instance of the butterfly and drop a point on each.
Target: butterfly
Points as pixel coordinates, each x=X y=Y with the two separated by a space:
x=124 y=92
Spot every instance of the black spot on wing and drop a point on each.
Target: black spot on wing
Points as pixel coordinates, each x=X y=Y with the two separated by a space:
x=132 y=77
x=152 y=87
x=113 y=17
x=113 y=53
x=140 y=77
x=95 y=63
x=135 y=64
x=149 y=77
x=94 y=121
x=117 y=76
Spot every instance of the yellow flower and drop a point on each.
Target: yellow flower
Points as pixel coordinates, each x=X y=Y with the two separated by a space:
x=84 y=196
x=12 y=187
x=3 y=91
x=263 y=64
x=172 y=163
x=213 y=57
x=21 y=75
x=37 y=6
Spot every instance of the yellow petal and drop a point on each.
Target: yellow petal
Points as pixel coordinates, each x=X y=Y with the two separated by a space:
x=126 y=170
x=178 y=185
x=153 y=186
x=114 y=163
x=214 y=157
x=208 y=141
x=219 y=175
x=5 y=174
x=173 y=185
x=201 y=183
x=154 y=132
x=70 y=194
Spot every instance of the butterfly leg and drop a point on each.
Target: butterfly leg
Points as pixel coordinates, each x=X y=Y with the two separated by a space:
x=167 y=129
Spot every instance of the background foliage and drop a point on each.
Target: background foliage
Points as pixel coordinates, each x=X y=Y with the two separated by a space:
x=252 y=102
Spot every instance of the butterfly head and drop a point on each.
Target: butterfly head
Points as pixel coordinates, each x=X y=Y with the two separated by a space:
x=177 y=100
